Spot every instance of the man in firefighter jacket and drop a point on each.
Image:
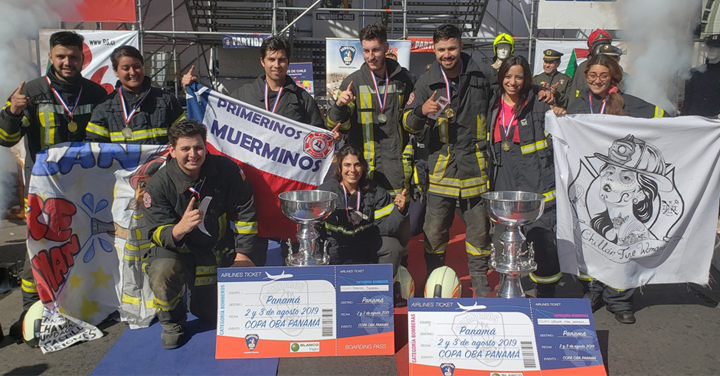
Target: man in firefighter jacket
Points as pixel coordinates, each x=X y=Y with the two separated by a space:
x=189 y=244
x=370 y=107
x=49 y=110
x=452 y=98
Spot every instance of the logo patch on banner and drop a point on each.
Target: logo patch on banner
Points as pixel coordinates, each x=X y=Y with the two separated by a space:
x=318 y=145
x=251 y=341
x=147 y=200
x=447 y=369
x=347 y=53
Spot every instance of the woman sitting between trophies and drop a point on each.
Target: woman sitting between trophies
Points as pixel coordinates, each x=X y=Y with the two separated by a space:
x=358 y=231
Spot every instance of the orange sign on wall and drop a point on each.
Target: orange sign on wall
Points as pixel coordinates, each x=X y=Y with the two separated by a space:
x=100 y=11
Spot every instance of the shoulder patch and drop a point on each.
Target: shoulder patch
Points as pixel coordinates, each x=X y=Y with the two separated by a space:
x=411 y=99
x=147 y=200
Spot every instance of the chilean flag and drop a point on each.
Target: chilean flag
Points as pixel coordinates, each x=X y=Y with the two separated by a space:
x=275 y=153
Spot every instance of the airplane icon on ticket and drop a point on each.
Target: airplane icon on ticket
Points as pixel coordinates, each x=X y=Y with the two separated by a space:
x=474 y=307
x=277 y=277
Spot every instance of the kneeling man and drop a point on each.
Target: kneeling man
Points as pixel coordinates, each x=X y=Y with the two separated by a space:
x=191 y=237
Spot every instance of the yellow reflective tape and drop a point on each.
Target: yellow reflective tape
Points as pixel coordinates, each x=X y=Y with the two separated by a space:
x=7 y=137
x=246 y=227
x=141 y=134
x=98 y=130
x=384 y=211
x=481 y=127
x=404 y=123
x=156 y=235
x=137 y=215
x=345 y=231
x=181 y=117
x=205 y=281
x=136 y=248
x=442 y=123
x=166 y=306
x=136 y=301
x=475 y=251
x=545 y=280
x=531 y=148
x=28 y=286
x=407 y=164
x=131 y=258
x=446 y=191
x=440 y=249
x=549 y=196
x=659 y=112
x=205 y=270
x=585 y=277
x=222 y=225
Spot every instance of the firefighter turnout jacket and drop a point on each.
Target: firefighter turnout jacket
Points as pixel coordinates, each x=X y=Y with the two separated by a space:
x=157 y=112
x=385 y=145
x=457 y=144
x=45 y=120
x=295 y=103
x=381 y=216
x=230 y=219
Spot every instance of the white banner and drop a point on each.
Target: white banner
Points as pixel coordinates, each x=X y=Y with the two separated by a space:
x=579 y=14
x=83 y=237
x=344 y=56
x=637 y=199
x=277 y=154
x=98 y=46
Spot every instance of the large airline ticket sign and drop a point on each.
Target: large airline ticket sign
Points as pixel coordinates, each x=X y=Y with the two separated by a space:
x=273 y=312
x=549 y=337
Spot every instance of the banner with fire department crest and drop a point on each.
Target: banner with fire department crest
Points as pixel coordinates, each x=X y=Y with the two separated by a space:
x=637 y=199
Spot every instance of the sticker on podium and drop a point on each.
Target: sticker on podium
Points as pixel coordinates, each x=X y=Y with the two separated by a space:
x=549 y=337
x=334 y=310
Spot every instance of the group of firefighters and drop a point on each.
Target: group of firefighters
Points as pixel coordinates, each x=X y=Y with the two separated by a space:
x=422 y=148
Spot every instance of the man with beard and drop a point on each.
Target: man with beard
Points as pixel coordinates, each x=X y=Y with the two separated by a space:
x=49 y=110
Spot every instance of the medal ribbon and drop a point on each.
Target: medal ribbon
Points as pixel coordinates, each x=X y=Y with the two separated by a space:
x=124 y=107
x=447 y=82
x=382 y=102
x=506 y=127
x=602 y=109
x=277 y=99
x=62 y=101
x=357 y=208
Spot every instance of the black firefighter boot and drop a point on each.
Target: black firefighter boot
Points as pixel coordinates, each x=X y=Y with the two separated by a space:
x=173 y=335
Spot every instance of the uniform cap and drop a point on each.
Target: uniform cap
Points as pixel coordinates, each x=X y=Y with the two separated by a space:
x=713 y=40
x=551 y=55
x=610 y=50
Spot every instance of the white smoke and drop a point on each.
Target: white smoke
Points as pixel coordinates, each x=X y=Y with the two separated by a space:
x=659 y=36
x=20 y=21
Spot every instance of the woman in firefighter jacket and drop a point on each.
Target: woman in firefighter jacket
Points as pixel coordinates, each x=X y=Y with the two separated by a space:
x=602 y=96
x=136 y=112
x=521 y=158
x=359 y=229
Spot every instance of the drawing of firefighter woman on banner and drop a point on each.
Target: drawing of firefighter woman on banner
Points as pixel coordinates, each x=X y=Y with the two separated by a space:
x=626 y=202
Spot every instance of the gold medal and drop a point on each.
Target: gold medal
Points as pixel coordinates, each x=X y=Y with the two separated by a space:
x=72 y=126
x=449 y=113
x=506 y=145
x=382 y=118
x=127 y=132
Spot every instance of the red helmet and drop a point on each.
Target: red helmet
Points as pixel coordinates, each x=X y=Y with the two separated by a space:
x=599 y=35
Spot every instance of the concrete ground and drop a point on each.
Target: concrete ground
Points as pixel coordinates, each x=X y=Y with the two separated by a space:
x=677 y=333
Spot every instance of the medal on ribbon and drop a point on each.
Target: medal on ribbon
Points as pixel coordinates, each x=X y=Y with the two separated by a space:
x=127 y=132
x=449 y=112
x=506 y=126
x=382 y=102
x=72 y=125
x=355 y=216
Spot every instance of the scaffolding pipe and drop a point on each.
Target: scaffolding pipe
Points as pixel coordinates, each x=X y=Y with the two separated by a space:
x=346 y=10
x=174 y=49
x=274 y=18
x=140 y=25
x=298 y=17
x=404 y=10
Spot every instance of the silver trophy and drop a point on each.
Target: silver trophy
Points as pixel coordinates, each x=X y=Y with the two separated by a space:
x=307 y=208
x=513 y=209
